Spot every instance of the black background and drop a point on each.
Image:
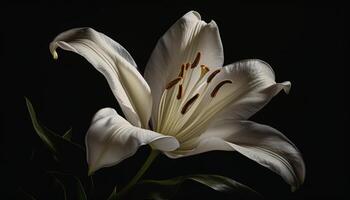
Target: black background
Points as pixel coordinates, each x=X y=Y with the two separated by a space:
x=305 y=44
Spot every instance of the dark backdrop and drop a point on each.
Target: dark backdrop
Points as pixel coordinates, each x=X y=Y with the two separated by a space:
x=304 y=44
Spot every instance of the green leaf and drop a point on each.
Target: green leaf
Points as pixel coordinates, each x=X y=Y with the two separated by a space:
x=25 y=195
x=63 y=188
x=49 y=137
x=113 y=195
x=68 y=135
x=45 y=134
x=165 y=189
x=71 y=186
x=70 y=155
x=52 y=140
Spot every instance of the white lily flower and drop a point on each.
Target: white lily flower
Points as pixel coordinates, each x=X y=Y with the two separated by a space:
x=196 y=105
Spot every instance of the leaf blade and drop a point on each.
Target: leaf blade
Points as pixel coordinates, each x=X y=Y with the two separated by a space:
x=43 y=132
x=71 y=185
x=25 y=195
x=68 y=134
x=70 y=155
x=113 y=195
x=215 y=182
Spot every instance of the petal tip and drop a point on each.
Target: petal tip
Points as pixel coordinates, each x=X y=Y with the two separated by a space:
x=54 y=55
x=195 y=13
x=52 y=48
x=212 y=24
x=286 y=86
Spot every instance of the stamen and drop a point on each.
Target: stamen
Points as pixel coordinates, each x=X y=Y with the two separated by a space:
x=172 y=83
x=187 y=65
x=212 y=75
x=196 y=60
x=182 y=70
x=179 y=92
x=216 y=89
x=189 y=103
x=204 y=70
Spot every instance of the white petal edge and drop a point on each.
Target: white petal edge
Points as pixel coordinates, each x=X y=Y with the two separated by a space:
x=179 y=45
x=263 y=144
x=117 y=66
x=111 y=139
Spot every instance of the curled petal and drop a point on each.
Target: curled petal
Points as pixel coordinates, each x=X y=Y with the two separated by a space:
x=111 y=139
x=117 y=66
x=263 y=144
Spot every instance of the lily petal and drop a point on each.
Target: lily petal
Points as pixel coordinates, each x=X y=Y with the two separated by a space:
x=263 y=144
x=179 y=45
x=260 y=87
x=111 y=139
x=251 y=86
x=117 y=66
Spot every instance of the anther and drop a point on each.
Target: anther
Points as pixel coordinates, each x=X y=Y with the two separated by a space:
x=189 y=103
x=188 y=65
x=216 y=89
x=182 y=70
x=212 y=75
x=179 y=92
x=196 y=60
x=172 y=83
x=204 y=70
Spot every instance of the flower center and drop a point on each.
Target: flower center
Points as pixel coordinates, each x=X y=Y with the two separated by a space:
x=184 y=95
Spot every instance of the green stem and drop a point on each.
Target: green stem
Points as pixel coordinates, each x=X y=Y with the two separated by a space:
x=92 y=185
x=139 y=174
